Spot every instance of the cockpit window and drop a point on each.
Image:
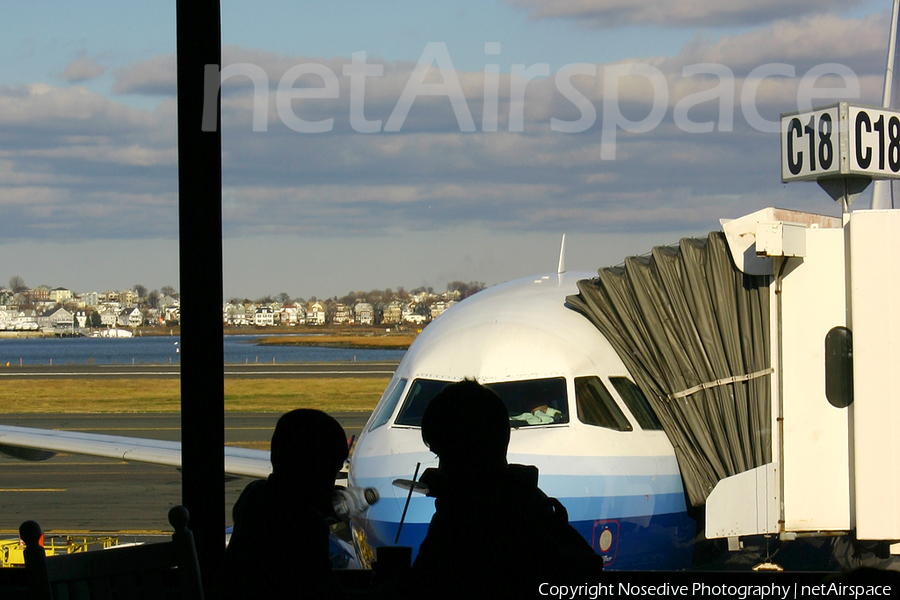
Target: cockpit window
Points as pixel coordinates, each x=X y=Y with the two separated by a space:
x=637 y=403
x=595 y=406
x=534 y=401
x=387 y=409
x=529 y=402
x=420 y=394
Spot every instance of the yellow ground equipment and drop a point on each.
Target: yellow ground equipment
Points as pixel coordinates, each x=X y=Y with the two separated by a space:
x=11 y=551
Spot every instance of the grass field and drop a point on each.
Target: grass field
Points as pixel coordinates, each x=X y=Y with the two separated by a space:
x=163 y=395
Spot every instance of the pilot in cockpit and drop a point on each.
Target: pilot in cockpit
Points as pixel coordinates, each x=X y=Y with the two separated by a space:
x=537 y=407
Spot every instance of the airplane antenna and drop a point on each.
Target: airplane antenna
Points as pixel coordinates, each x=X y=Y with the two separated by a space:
x=562 y=256
x=408 y=497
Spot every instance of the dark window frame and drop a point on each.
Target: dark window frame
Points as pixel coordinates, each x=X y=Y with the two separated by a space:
x=595 y=406
x=391 y=400
x=637 y=403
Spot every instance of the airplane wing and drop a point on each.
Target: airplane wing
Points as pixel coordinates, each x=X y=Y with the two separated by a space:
x=40 y=444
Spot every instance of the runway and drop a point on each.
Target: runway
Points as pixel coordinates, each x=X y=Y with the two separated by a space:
x=170 y=371
x=86 y=495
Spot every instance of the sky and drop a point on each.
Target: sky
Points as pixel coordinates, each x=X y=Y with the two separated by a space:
x=407 y=144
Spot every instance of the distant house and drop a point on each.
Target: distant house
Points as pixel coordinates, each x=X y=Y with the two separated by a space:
x=438 y=308
x=393 y=312
x=41 y=292
x=341 y=314
x=75 y=302
x=173 y=313
x=315 y=313
x=130 y=317
x=112 y=306
x=290 y=314
x=57 y=317
x=59 y=295
x=90 y=298
x=169 y=308
x=44 y=306
x=165 y=301
x=108 y=316
x=365 y=314
x=229 y=311
x=264 y=317
x=127 y=297
x=275 y=307
x=235 y=315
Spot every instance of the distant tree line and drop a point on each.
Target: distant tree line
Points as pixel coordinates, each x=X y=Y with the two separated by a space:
x=374 y=297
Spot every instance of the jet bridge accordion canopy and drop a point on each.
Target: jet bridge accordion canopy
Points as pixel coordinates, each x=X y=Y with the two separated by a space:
x=694 y=333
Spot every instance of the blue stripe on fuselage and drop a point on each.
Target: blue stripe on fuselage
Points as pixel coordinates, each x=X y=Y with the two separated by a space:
x=662 y=542
x=585 y=497
x=644 y=531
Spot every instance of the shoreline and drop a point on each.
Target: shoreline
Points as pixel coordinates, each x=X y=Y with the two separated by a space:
x=336 y=338
x=368 y=342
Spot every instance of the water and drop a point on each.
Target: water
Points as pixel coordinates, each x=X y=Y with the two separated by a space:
x=166 y=349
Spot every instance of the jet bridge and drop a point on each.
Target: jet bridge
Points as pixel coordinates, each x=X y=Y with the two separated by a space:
x=726 y=338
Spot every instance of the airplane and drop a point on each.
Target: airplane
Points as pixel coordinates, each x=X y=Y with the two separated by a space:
x=597 y=444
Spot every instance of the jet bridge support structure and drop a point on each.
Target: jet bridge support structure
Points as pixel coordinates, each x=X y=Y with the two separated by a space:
x=837 y=467
x=803 y=466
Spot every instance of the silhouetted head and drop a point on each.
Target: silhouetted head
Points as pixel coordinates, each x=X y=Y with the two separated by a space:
x=467 y=425
x=310 y=444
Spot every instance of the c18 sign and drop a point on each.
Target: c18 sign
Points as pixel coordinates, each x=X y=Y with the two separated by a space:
x=840 y=140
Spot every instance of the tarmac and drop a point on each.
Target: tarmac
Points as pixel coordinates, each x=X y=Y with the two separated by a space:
x=84 y=495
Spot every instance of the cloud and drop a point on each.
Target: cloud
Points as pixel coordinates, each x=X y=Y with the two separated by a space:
x=62 y=112
x=153 y=77
x=75 y=164
x=82 y=69
x=608 y=14
x=860 y=44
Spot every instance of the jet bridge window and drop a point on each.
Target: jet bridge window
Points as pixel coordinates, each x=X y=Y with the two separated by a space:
x=595 y=405
x=637 y=403
x=529 y=402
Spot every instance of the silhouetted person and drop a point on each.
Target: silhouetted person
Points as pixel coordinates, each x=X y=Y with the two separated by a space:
x=279 y=544
x=494 y=532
